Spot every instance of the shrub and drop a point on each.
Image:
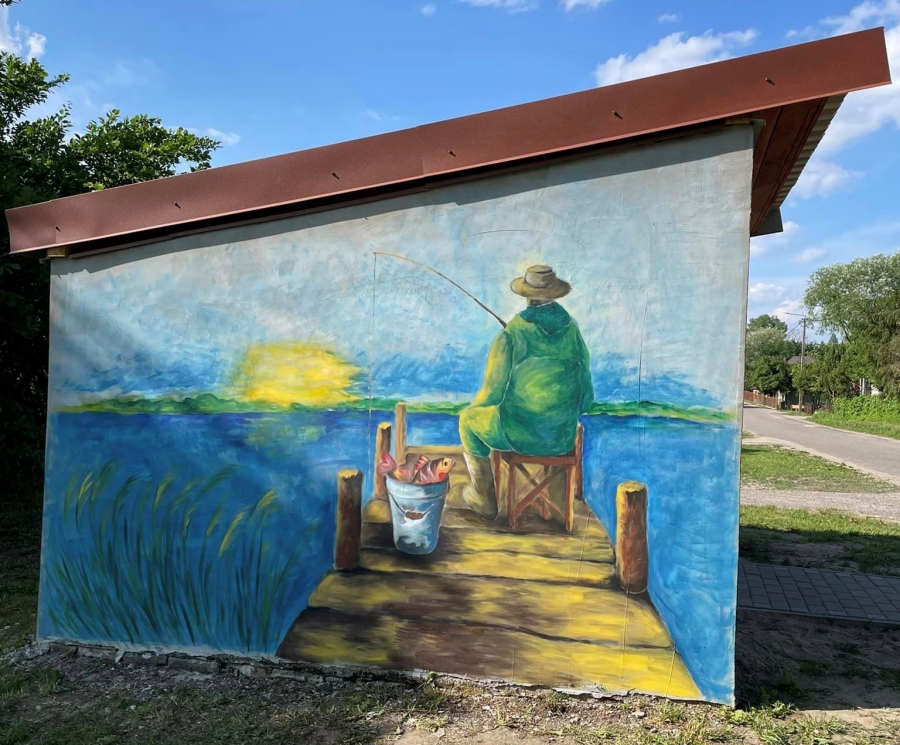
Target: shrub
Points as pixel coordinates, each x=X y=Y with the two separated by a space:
x=873 y=408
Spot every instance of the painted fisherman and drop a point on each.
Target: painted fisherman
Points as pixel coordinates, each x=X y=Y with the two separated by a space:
x=537 y=383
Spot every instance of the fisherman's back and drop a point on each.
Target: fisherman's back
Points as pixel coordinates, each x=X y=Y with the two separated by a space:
x=549 y=382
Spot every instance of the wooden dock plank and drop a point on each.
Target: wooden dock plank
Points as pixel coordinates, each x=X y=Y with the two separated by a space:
x=465 y=539
x=551 y=610
x=493 y=564
x=330 y=637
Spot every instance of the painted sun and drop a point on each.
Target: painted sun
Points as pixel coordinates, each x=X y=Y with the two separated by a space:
x=294 y=373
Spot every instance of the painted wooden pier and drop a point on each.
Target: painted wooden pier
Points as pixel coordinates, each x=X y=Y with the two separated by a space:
x=538 y=605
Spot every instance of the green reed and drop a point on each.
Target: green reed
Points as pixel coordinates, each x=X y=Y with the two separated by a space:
x=132 y=564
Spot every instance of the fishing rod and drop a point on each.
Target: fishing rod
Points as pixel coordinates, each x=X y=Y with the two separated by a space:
x=445 y=277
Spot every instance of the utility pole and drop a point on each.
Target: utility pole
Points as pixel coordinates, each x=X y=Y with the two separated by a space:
x=802 y=353
x=803 y=344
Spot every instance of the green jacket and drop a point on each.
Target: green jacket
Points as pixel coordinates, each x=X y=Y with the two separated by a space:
x=538 y=374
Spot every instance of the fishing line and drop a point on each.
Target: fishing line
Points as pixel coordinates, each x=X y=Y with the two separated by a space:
x=444 y=277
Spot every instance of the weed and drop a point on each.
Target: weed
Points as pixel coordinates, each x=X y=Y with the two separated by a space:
x=672 y=713
x=587 y=735
x=13 y=733
x=431 y=723
x=555 y=702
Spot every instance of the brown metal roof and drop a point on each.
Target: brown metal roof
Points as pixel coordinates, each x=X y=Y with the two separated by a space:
x=795 y=90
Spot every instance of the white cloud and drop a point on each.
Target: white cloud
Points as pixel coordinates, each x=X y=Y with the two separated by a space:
x=820 y=178
x=572 y=4
x=762 y=292
x=787 y=310
x=429 y=10
x=510 y=6
x=809 y=255
x=226 y=138
x=18 y=39
x=668 y=18
x=674 y=52
x=765 y=243
x=864 y=15
x=865 y=111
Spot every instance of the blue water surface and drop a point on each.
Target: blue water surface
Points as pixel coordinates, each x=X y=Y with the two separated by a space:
x=249 y=596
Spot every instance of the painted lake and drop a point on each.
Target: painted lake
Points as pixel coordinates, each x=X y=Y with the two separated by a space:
x=143 y=508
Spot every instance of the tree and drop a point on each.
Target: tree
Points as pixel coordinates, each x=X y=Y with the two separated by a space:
x=861 y=302
x=766 y=321
x=770 y=375
x=829 y=375
x=40 y=159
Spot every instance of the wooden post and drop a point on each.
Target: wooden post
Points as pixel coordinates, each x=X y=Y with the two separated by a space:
x=382 y=446
x=400 y=434
x=349 y=519
x=631 y=536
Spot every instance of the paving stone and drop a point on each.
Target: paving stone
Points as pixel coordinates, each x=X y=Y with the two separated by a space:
x=819 y=593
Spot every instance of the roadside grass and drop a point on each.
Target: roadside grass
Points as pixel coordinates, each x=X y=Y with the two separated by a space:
x=885 y=429
x=771 y=467
x=868 y=544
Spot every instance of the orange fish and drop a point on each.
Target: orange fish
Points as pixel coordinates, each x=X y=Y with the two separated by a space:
x=404 y=472
x=431 y=472
x=422 y=471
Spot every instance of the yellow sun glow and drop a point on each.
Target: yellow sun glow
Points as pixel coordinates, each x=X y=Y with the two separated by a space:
x=291 y=373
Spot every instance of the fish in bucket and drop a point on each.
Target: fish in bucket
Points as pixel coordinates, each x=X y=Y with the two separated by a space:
x=417 y=492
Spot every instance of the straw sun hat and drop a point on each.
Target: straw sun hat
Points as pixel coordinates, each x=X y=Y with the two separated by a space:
x=540 y=282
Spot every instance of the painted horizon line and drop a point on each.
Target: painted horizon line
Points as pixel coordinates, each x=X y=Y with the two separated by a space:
x=209 y=403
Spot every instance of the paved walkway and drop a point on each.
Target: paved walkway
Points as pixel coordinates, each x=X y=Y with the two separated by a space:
x=879 y=456
x=818 y=592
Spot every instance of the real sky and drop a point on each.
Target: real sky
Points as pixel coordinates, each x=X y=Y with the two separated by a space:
x=270 y=76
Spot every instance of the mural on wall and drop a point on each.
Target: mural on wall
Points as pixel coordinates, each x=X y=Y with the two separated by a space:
x=536 y=377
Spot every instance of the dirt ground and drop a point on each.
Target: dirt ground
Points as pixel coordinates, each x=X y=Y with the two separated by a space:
x=799 y=681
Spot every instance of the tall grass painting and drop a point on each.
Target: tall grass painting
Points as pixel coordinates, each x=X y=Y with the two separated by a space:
x=172 y=562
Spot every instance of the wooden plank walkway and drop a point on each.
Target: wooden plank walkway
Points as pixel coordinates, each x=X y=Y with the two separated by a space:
x=535 y=606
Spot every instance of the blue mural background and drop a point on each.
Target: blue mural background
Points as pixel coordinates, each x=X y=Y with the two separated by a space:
x=655 y=243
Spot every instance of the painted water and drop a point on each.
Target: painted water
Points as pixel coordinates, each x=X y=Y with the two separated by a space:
x=211 y=531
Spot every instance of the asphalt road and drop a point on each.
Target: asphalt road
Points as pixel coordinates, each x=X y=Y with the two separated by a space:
x=879 y=456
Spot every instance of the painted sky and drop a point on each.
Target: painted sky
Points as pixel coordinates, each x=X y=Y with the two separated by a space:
x=269 y=77
x=653 y=241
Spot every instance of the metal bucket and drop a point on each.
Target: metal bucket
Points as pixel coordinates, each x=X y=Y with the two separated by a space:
x=416 y=514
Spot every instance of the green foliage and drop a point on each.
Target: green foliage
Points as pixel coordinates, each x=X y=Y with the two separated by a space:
x=766 y=353
x=868 y=426
x=861 y=302
x=143 y=150
x=40 y=159
x=766 y=321
x=826 y=376
x=872 y=408
x=770 y=375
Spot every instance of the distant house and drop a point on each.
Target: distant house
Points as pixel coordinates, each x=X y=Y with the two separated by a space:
x=797 y=359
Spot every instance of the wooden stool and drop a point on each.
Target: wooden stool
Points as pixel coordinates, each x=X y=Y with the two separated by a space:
x=535 y=490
